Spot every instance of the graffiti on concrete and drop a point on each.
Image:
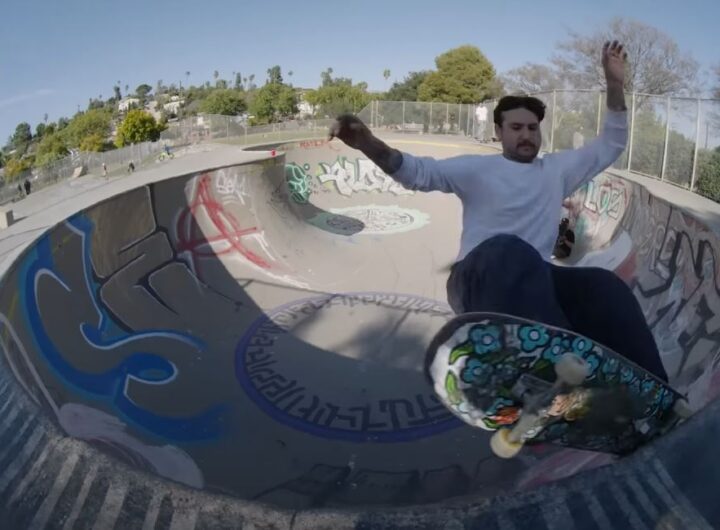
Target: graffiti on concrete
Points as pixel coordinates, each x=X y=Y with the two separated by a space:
x=371 y=219
x=271 y=380
x=126 y=370
x=359 y=176
x=228 y=234
x=605 y=197
x=298 y=182
x=230 y=183
x=672 y=268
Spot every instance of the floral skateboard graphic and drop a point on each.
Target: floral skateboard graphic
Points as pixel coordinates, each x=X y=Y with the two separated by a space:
x=535 y=383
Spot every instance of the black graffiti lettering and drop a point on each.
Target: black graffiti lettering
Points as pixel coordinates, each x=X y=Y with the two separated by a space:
x=306 y=411
x=365 y=423
x=432 y=413
x=391 y=407
x=257 y=355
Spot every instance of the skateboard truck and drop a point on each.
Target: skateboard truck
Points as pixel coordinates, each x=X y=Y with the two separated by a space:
x=571 y=370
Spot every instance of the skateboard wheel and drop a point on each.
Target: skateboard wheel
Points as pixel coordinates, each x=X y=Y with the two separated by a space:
x=572 y=369
x=682 y=408
x=502 y=446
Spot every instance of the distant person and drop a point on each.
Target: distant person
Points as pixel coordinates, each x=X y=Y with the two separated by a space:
x=167 y=149
x=565 y=240
x=104 y=170
x=20 y=190
x=28 y=187
x=511 y=204
x=131 y=167
x=481 y=118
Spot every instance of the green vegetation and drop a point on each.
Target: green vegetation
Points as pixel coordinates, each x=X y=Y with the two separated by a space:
x=138 y=126
x=464 y=75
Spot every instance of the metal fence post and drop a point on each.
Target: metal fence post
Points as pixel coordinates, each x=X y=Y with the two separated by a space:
x=597 y=132
x=447 y=115
x=697 y=145
x=552 y=124
x=430 y=126
x=403 y=116
x=632 y=131
x=667 y=138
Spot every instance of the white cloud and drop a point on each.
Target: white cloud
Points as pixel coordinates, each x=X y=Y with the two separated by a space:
x=41 y=92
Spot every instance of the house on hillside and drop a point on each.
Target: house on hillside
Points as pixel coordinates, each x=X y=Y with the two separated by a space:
x=128 y=103
x=305 y=109
x=174 y=105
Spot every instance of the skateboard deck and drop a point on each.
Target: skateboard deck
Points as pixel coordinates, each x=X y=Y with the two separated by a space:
x=490 y=369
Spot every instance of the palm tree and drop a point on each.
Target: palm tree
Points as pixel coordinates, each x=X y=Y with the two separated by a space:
x=187 y=78
x=386 y=75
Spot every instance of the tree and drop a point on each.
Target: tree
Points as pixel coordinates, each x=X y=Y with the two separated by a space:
x=716 y=89
x=386 y=75
x=138 y=126
x=532 y=78
x=338 y=95
x=407 y=90
x=142 y=92
x=252 y=84
x=274 y=75
x=216 y=74
x=21 y=138
x=15 y=167
x=464 y=75
x=273 y=102
x=40 y=130
x=94 y=142
x=118 y=95
x=238 y=82
x=92 y=122
x=655 y=66
x=51 y=148
x=223 y=101
x=708 y=174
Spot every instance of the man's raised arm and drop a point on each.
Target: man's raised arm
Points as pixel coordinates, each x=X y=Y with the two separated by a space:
x=414 y=173
x=581 y=165
x=355 y=134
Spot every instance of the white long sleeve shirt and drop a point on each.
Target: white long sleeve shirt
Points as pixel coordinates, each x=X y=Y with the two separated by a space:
x=500 y=196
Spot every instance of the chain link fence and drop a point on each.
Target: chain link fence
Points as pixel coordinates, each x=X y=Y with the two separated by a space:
x=234 y=130
x=673 y=139
x=79 y=163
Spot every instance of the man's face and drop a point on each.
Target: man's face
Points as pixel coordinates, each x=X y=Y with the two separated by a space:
x=520 y=135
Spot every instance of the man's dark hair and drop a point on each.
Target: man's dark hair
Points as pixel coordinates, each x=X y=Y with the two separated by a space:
x=530 y=103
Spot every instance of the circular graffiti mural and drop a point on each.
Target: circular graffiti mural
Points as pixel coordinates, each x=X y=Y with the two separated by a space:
x=370 y=219
x=346 y=366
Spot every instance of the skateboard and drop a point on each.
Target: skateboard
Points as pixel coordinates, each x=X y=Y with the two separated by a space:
x=534 y=383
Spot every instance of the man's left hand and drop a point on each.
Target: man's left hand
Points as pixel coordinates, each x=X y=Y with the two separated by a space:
x=613 y=61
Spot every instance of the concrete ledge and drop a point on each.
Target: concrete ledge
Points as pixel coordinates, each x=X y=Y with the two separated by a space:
x=6 y=217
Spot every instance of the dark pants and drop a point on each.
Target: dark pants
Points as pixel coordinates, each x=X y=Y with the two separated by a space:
x=504 y=274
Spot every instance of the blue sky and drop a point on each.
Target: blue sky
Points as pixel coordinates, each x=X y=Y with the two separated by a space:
x=54 y=54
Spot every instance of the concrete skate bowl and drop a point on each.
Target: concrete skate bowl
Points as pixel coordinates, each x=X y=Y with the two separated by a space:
x=242 y=347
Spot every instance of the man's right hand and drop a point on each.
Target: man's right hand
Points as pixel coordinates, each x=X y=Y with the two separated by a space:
x=351 y=131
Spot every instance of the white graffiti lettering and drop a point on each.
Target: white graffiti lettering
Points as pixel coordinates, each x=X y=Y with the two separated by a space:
x=605 y=199
x=363 y=175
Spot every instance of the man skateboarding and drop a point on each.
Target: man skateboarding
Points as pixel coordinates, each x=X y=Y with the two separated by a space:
x=511 y=211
